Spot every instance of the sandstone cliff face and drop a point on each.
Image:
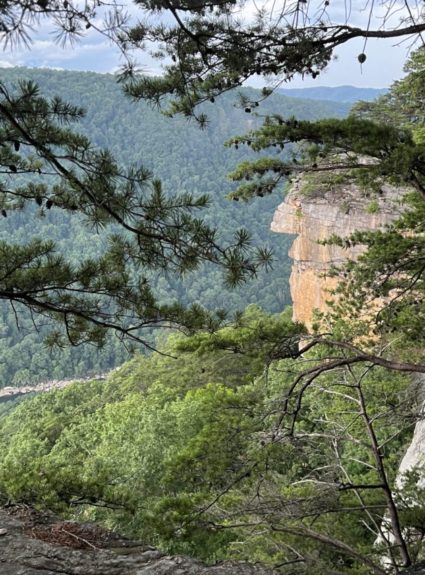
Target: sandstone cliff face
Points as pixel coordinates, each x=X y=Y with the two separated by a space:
x=316 y=215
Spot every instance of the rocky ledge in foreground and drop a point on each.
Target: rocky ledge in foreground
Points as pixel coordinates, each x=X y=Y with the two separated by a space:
x=38 y=544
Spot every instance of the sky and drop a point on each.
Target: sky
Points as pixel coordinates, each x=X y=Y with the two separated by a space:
x=384 y=63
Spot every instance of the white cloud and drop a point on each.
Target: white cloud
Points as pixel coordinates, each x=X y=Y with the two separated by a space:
x=6 y=64
x=94 y=53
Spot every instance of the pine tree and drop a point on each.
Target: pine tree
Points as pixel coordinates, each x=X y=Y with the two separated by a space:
x=47 y=165
x=212 y=47
x=207 y=48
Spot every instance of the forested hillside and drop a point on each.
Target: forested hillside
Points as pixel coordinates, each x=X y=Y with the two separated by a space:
x=185 y=158
x=262 y=440
x=187 y=452
x=298 y=447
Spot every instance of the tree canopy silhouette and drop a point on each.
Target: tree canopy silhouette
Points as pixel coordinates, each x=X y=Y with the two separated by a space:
x=207 y=47
x=46 y=164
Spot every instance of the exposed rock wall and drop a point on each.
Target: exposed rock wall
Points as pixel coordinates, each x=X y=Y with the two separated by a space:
x=415 y=453
x=10 y=393
x=315 y=216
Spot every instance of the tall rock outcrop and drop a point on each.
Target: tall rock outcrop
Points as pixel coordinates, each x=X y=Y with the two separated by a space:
x=314 y=214
x=315 y=211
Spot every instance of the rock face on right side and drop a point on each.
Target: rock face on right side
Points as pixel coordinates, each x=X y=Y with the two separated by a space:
x=314 y=215
x=416 y=451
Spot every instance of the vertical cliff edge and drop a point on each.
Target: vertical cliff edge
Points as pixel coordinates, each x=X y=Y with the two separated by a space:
x=314 y=211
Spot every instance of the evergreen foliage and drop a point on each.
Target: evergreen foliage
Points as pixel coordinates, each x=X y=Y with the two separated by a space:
x=186 y=159
x=373 y=152
x=403 y=106
x=387 y=280
x=146 y=229
x=260 y=441
x=208 y=48
x=212 y=47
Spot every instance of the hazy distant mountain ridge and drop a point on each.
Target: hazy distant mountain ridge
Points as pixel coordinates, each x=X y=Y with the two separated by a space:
x=347 y=94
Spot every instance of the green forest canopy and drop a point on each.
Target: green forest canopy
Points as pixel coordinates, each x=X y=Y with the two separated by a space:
x=211 y=51
x=186 y=159
x=188 y=454
x=281 y=455
x=247 y=446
